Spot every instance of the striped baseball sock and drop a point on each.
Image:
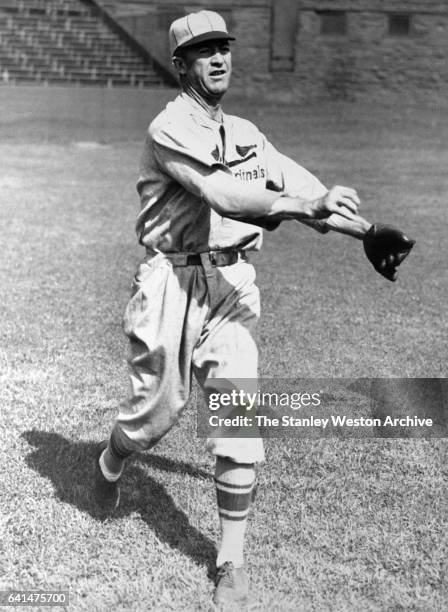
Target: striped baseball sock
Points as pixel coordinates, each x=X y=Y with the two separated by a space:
x=113 y=457
x=234 y=485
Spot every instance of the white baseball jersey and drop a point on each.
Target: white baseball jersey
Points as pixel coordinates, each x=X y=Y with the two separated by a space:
x=185 y=147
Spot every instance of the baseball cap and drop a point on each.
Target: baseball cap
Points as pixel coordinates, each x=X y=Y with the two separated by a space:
x=195 y=28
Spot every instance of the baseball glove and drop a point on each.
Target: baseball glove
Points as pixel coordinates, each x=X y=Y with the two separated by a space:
x=386 y=247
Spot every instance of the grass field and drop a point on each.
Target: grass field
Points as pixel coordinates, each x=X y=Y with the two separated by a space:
x=337 y=525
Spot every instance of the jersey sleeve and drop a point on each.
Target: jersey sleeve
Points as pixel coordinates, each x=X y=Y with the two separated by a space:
x=287 y=176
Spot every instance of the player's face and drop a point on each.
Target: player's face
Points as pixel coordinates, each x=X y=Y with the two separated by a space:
x=208 y=67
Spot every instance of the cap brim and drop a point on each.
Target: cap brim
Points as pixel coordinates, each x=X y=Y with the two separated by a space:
x=206 y=36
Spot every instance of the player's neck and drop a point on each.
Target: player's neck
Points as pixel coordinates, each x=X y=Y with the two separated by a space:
x=211 y=105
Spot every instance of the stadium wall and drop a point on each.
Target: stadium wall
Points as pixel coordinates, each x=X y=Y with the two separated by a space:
x=390 y=49
x=345 y=49
x=249 y=21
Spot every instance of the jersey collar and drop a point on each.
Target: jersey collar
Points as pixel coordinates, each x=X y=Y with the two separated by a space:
x=198 y=112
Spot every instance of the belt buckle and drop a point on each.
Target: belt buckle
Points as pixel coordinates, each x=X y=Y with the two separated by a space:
x=223 y=258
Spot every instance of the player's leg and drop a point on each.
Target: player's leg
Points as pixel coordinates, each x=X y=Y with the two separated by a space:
x=234 y=490
x=227 y=354
x=163 y=324
x=234 y=487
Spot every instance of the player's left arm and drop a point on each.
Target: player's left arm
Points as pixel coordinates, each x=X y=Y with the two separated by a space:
x=357 y=226
x=385 y=246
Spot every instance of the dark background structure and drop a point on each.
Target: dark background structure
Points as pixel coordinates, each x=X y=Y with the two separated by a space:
x=387 y=50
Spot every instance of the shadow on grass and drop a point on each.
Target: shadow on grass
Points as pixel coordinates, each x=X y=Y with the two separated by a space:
x=167 y=465
x=69 y=466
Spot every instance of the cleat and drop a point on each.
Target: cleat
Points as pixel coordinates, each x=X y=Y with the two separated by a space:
x=231 y=586
x=107 y=494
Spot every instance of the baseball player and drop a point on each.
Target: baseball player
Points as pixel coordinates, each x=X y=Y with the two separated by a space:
x=209 y=182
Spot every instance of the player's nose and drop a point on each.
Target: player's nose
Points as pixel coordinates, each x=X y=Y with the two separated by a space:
x=217 y=58
x=217 y=55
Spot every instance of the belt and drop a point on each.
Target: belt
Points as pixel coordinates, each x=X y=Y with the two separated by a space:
x=216 y=258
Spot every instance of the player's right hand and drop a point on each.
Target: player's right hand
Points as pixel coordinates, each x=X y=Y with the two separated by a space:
x=341 y=200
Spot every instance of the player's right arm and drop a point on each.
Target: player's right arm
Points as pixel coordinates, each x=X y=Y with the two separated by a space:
x=179 y=155
x=231 y=197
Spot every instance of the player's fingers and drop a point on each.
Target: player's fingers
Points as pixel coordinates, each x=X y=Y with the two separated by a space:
x=349 y=192
x=342 y=211
x=348 y=203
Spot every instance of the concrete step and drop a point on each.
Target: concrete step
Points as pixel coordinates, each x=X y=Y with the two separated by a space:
x=67 y=39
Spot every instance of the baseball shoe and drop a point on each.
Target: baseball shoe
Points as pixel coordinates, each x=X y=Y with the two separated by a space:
x=231 y=586
x=107 y=494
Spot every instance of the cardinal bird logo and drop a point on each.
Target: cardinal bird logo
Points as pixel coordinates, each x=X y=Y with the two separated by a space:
x=243 y=151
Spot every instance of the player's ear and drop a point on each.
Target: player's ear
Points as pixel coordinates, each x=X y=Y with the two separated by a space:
x=180 y=65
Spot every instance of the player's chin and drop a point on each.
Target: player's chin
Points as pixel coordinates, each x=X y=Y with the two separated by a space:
x=218 y=86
